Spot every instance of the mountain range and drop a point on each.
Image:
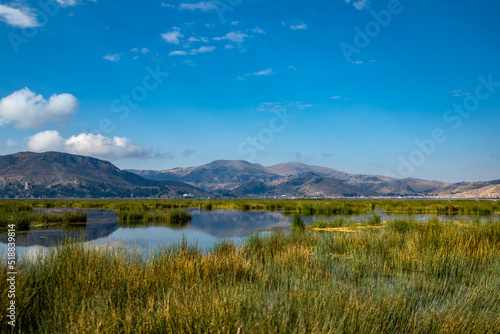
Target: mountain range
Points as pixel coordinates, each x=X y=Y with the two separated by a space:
x=295 y=179
x=61 y=175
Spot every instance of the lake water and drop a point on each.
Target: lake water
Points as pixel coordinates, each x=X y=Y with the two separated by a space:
x=205 y=230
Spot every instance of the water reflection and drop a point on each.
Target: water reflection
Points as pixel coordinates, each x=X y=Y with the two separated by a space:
x=205 y=229
x=236 y=224
x=100 y=224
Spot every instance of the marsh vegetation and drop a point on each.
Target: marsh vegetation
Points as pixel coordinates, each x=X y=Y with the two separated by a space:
x=24 y=216
x=411 y=278
x=171 y=218
x=399 y=276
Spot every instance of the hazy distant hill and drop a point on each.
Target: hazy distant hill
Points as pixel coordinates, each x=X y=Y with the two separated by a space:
x=299 y=169
x=53 y=174
x=221 y=175
x=475 y=189
x=313 y=185
x=377 y=183
x=243 y=179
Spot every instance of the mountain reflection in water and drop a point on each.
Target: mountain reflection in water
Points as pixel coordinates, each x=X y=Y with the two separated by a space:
x=205 y=229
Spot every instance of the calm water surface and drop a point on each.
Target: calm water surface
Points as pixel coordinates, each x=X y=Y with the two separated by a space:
x=205 y=230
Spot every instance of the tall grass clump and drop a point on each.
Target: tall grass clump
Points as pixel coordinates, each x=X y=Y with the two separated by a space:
x=155 y=217
x=63 y=217
x=297 y=222
x=328 y=223
x=24 y=219
x=374 y=220
x=402 y=225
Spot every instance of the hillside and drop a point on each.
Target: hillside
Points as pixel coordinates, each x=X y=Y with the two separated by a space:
x=312 y=185
x=57 y=175
x=220 y=176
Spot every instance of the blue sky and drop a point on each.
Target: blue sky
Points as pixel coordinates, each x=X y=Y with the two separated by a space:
x=398 y=88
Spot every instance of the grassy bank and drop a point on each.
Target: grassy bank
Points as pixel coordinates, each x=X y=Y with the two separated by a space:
x=26 y=219
x=409 y=278
x=301 y=206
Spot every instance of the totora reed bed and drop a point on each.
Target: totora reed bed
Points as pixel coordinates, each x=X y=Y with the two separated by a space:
x=405 y=278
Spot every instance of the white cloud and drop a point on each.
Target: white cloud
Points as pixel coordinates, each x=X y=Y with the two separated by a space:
x=258 y=30
x=88 y=144
x=67 y=3
x=143 y=50
x=163 y=4
x=203 y=6
x=113 y=58
x=235 y=23
x=25 y=109
x=22 y=17
x=228 y=47
x=336 y=97
x=11 y=143
x=267 y=71
x=233 y=36
x=178 y=53
x=193 y=39
x=264 y=72
x=459 y=92
x=203 y=49
x=300 y=26
x=173 y=36
x=300 y=105
x=271 y=107
x=49 y=140
x=359 y=5
x=277 y=107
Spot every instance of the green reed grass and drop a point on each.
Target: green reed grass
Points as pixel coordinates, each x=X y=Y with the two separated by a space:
x=297 y=222
x=329 y=223
x=289 y=207
x=374 y=220
x=409 y=278
x=155 y=217
x=24 y=219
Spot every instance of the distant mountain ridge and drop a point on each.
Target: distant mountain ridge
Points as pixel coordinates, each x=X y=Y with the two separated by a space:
x=61 y=175
x=244 y=179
